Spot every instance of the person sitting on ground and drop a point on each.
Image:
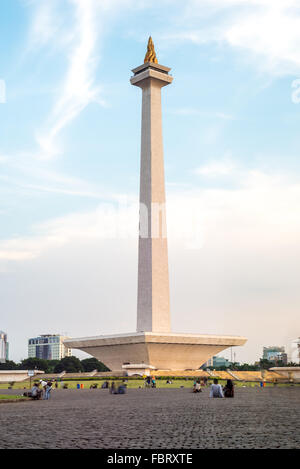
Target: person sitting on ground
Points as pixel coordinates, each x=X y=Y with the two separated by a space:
x=228 y=389
x=112 y=389
x=122 y=389
x=216 y=389
x=35 y=392
x=197 y=386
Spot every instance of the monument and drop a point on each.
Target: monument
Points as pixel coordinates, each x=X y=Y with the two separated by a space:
x=153 y=346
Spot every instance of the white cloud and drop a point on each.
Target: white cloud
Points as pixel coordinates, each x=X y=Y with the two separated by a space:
x=77 y=35
x=3 y=159
x=216 y=168
x=255 y=208
x=242 y=274
x=267 y=30
x=78 y=89
x=44 y=27
x=198 y=112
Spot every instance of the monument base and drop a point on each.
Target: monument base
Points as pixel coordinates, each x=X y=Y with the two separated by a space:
x=164 y=351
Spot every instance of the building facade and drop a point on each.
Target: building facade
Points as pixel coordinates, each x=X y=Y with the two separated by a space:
x=275 y=354
x=4 y=347
x=295 y=351
x=217 y=362
x=48 y=347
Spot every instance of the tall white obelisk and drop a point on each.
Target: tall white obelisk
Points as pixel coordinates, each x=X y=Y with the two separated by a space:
x=153 y=346
x=153 y=311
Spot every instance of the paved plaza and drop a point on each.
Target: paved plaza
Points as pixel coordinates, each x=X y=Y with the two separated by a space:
x=153 y=419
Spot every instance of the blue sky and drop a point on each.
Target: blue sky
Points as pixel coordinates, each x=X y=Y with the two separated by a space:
x=69 y=165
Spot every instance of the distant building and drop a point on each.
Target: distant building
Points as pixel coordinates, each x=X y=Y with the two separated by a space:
x=48 y=347
x=216 y=362
x=220 y=361
x=295 y=351
x=275 y=354
x=3 y=347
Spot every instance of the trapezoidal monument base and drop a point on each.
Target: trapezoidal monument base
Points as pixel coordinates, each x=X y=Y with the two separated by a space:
x=157 y=351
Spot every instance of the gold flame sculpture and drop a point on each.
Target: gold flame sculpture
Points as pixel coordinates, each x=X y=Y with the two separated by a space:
x=150 y=55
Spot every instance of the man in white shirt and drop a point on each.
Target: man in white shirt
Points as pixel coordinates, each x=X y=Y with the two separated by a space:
x=43 y=383
x=216 y=390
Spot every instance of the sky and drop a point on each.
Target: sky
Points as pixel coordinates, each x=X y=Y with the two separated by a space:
x=70 y=156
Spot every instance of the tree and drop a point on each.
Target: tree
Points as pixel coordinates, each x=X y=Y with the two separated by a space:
x=8 y=365
x=265 y=364
x=69 y=364
x=34 y=364
x=91 y=364
x=52 y=364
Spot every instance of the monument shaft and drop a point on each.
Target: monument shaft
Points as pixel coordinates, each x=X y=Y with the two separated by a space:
x=153 y=311
x=153 y=346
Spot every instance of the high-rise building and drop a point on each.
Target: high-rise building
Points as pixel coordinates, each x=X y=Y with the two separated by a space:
x=295 y=351
x=3 y=347
x=275 y=354
x=48 y=347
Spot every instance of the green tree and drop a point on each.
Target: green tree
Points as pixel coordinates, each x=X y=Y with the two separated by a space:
x=69 y=364
x=34 y=364
x=8 y=365
x=91 y=364
x=52 y=364
x=265 y=364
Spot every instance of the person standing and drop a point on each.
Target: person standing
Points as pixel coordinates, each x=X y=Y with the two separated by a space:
x=112 y=389
x=48 y=389
x=43 y=386
x=216 y=389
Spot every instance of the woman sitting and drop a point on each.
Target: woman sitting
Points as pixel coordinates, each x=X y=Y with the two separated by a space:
x=229 y=389
x=197 y=387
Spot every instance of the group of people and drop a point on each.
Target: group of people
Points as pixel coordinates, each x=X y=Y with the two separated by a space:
x=118 y=388
x=216 y=389
x=199 y=383
x=40 y=390
x=150 y=382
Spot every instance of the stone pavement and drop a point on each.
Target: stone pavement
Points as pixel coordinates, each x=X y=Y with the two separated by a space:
x=153 y=419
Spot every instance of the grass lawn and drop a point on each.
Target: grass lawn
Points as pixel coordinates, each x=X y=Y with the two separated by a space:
x=10 y=397
x=24 y=384
x=135 y=384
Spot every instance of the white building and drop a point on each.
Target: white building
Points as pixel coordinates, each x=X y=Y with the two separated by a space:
x=3 y=347
x=48 y=347
x=295 y=351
